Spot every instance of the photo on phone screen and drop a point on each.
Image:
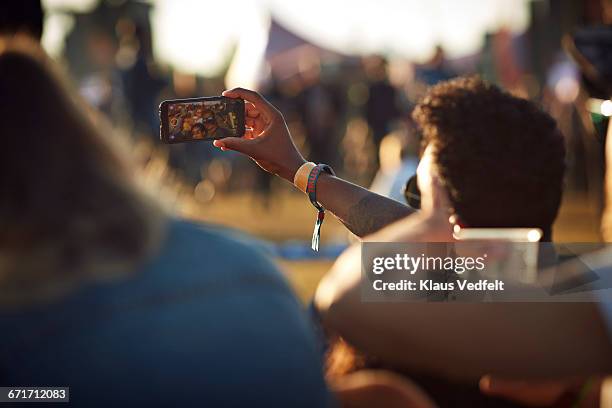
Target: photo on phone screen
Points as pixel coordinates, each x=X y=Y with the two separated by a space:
x=185 y=120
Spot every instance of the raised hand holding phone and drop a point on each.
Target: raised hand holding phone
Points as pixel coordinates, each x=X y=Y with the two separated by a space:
x=267 y=139
x=268 y=142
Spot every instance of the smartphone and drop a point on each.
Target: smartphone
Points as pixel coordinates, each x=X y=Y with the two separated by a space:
x=201 y=119
x=516 y=250
x=498 y=234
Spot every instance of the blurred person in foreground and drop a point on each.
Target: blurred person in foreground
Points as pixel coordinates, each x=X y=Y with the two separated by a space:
x=103 y=292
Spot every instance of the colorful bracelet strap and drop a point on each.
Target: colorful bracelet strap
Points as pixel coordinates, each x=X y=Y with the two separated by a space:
x=311 y=190
x=300 y=179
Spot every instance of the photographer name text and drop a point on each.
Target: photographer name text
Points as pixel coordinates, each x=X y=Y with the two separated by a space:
x=410 y=265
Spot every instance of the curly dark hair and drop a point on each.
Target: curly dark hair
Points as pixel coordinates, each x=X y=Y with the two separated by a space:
x=501 y=157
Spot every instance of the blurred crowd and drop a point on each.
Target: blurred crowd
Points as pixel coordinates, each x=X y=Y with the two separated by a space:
x=349 y=111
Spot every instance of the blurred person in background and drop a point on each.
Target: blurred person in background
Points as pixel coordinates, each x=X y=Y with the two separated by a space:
x=398 y=158
x=103 y=292
x=381 y=108
x=319 y=106
x=435 y=70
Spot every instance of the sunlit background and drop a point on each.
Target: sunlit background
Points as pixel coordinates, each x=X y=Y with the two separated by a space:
x=346 y=75
x=203 y=37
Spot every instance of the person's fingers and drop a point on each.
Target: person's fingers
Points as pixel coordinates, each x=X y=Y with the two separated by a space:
x=251 y=110
x=258 y=124
x=239 y=144
x=249 y=134
x=251 y=96
x=253 y=114
x=247 y=94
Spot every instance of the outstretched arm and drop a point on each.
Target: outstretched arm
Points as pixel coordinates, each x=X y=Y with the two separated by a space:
x=268 y=142
x=361 y=211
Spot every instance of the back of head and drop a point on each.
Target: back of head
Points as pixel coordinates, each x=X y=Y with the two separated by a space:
x=501 y=157
x=22 y=16
x=68 y=207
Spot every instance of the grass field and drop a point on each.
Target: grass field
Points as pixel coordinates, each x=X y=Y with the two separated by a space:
x=290 y=218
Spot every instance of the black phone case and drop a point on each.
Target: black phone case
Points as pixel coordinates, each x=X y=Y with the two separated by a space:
x=164 y=125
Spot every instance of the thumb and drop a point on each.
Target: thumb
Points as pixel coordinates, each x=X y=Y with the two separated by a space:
x=238 y=144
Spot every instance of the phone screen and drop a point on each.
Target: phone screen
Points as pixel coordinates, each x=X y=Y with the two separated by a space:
x=202 y=119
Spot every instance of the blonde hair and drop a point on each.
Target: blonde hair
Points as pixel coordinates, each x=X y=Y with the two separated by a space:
x=70 y=210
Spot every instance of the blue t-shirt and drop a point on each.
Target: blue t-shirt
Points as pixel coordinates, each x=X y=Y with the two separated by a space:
x=208 y=322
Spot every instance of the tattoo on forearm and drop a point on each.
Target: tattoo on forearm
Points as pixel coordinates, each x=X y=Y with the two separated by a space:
x=372 y=213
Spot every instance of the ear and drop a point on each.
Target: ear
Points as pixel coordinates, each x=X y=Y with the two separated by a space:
x=379 y=388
